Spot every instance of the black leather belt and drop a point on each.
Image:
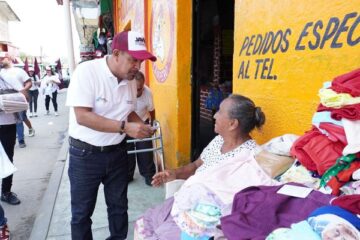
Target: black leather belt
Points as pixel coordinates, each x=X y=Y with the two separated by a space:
x=86 y=146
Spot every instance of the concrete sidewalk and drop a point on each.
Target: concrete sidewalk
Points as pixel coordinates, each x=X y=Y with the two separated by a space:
x=53 y=219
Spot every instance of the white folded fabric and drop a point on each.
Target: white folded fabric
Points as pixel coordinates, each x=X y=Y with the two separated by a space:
x=352 y=132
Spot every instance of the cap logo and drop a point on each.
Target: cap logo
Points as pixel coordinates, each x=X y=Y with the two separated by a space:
x=140 y=41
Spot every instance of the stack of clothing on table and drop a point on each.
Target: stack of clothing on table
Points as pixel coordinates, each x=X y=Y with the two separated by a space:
x=328 y=162
x=331 y=149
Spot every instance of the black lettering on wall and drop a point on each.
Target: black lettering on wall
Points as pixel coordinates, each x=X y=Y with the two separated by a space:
x=286 y=41
x=328 y=34
x=350 y=40
x=342 y=28
x=317 y=25
x=278 y=37
x=269 y=40
x=250 y=44
x=304 y=33
x=244 y=46
x=257 y=44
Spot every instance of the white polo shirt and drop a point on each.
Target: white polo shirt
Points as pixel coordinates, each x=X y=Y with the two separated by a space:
x=93 y=85
x=15 y=78
x=144 y=104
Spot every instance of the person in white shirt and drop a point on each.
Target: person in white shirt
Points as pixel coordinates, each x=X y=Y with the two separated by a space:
x=102 y=100
x=146 y=111
x=33 y=92
x=50 y=86
x=17 y=79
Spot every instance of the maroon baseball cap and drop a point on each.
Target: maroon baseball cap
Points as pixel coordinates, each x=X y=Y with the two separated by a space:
x=133 y=43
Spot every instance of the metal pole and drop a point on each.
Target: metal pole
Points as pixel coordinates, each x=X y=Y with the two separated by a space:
x=69 y=38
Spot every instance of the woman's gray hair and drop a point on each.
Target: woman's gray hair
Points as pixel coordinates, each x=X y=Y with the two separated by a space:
x=244 y=110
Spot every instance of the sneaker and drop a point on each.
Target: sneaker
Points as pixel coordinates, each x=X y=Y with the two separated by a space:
x=47 y=113
x=10 y=198
x=31 y=132
x=22 y=144
x=56 y=114
x=35 y=115
x=4 y=232
x=31 y=115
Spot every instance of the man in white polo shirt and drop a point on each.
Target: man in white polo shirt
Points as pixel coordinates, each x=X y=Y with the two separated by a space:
x=102 y=100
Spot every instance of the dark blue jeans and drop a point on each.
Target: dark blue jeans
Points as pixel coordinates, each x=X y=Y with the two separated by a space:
x=144 y=160
x=2 y=217
x=20 y=126
x=87 y=170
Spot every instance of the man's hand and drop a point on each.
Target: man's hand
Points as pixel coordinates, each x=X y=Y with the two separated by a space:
x=163 y=177
x=138 y=130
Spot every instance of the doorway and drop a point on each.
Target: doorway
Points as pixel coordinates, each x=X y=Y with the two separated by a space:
x=212 y=62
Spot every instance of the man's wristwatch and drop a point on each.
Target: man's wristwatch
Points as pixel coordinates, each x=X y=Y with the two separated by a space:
x=122 y=127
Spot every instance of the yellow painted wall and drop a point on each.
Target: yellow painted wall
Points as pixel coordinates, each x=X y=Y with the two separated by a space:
x=290 y=101
x=169 y=38
x=172 y=91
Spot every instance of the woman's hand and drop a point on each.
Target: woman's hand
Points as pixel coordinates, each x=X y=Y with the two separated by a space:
x=163 y=177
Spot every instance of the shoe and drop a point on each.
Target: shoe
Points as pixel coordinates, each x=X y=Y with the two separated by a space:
x=31 y=115
x=31 y=132
x=56 y=114
x=4 y=232
x=22 y=144
x=10 y=198
x=130 y=179
x=35 y=115
x=148 y=181
x=47 y=113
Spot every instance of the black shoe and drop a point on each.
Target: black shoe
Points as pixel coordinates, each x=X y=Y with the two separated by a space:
x=10 y=198
x=22 y=144
x=130 y=179
x=148 y=181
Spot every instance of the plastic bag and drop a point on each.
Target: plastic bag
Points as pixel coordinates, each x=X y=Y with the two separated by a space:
x=6 y=167
x=273 y=164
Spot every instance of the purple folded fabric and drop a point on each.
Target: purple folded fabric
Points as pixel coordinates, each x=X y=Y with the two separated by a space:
x=257 y=211
x=159 y=224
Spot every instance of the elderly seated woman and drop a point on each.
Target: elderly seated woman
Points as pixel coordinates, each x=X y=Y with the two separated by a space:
x=226 y=166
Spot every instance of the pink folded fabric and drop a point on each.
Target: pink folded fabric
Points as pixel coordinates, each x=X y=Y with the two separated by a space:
x=316 y=151
x=348 y=202
x=351 y=112
x=335 y=132
x=347 y=83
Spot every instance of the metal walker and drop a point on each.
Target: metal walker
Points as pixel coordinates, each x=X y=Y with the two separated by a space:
x=158 y=147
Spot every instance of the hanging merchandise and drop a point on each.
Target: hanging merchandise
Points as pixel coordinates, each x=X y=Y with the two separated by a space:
x=214 y=99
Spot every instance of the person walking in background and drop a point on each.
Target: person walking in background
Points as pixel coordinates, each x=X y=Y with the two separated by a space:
x=19 y=80
x=145 y=110
x=4 y=229
x=50 y=86
x=102 y=100
x=22 y=118
x=33 y=93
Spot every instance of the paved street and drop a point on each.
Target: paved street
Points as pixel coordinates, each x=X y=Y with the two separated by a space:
x=35 y=164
